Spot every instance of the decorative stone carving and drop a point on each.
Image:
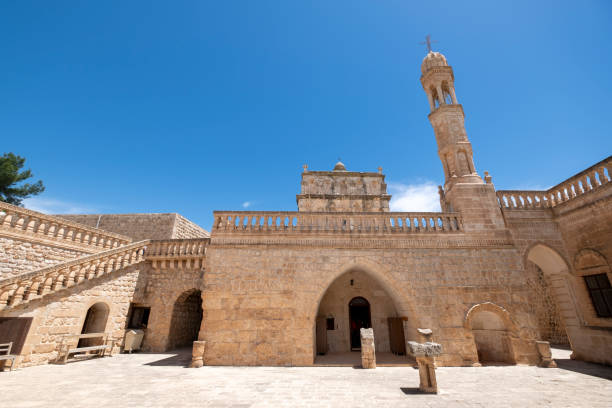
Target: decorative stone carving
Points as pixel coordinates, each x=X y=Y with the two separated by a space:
x=368 y=352
x=424 y=354
x=197 y=353
x=545 y=354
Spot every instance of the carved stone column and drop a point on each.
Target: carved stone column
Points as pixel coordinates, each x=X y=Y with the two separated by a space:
x=368 y=352
x=424 y=354
x=197 y=353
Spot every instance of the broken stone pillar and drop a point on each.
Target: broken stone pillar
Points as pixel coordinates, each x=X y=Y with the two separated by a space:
x=197 y=359
x=545 y=354
x=424 y=354
x=368 y=353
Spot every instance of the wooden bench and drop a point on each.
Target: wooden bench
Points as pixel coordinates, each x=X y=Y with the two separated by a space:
x=70 y=348
x=5 y=354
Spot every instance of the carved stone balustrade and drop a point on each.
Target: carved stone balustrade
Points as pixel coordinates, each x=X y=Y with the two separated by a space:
x=252 y=222
x=22 y=223
x=177 y=253
x=34 y=285
x=587 y=180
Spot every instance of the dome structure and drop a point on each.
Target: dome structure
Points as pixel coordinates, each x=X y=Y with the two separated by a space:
x=431 y=60
x=339 y=167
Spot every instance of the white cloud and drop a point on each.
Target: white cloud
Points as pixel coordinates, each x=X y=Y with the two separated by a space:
x=246 y=204
x=414 y=197
x=53 y=206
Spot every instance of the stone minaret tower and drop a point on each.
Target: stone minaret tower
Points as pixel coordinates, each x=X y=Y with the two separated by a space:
x=464 y=190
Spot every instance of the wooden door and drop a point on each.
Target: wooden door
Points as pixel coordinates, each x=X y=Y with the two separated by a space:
x=321 y=334
x=396 y=335
x=15 y=330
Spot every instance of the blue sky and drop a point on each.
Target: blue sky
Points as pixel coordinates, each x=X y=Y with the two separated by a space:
x=195 y=106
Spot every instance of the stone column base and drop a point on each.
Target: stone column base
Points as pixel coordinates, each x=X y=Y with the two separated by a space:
x=197 y=353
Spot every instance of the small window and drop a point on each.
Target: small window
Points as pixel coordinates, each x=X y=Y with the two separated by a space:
x=331 y=325
x=139 y=318
x=601 y=293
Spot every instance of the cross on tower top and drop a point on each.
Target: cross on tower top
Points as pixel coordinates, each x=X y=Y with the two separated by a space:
x=428 y=42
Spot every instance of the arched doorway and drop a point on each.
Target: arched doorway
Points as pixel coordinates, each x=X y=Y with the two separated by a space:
x=491 y=335
x=94 y=322
x=359 y=317
x=186 y=319
x=354 y=300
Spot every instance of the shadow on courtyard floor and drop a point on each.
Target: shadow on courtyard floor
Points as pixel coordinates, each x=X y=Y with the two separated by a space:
x=179 y=358
x=595 y=370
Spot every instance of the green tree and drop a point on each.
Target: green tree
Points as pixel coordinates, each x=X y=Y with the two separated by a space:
x=12 y=190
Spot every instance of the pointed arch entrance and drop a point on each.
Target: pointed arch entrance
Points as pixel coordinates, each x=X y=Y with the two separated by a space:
x=358 y=299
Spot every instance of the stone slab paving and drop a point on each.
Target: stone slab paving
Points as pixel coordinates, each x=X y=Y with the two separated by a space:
x=161 y=380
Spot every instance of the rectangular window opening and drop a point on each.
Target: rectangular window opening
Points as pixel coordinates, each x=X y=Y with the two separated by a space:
x=600 y=291
x=139 y=317
x=331 y=325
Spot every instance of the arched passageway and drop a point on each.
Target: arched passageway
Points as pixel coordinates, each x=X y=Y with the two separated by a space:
x=94 y=322
x=490 y=328
x=556 y=274
x=186 y=319
x=354 y=300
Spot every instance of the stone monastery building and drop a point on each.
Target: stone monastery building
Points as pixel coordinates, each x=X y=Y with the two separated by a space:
x=490 y=275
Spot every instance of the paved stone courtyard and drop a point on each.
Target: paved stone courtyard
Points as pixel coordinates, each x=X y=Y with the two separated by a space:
x=161 y=380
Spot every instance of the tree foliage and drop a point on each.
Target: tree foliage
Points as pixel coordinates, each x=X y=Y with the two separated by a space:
x=13 y=190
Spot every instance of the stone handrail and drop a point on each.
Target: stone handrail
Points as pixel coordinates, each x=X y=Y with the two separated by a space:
x=177 y=248
x=341 y=222
x=587 y=180
x=31 y=224
x=36 y=284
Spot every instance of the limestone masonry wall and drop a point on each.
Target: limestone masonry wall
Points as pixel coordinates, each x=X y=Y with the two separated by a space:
x=142 y=226
x=260 y=302
x=18 y=256
x=64 y=313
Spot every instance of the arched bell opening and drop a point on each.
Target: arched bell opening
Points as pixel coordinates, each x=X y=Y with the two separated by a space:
x=186 y=319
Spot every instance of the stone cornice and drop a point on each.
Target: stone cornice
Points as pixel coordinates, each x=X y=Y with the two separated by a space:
x=433 y=242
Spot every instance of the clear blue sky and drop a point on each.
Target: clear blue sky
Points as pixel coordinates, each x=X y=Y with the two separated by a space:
x=188 y=107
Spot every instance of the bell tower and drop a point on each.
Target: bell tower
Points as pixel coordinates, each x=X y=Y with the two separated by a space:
x=446 y=117
x=464 y=190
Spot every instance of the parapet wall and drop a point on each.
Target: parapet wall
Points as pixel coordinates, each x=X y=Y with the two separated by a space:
x=30 y=240
x=142 y=226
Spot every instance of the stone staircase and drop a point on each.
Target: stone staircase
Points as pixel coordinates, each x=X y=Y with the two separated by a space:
x=26 y=287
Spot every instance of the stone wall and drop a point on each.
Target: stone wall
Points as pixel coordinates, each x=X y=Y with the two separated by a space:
x=260 y=302
x=166 y=285
x=341 y=190
x=183 y=228
x=142 y=226
x=19 y=256
x=64 y=313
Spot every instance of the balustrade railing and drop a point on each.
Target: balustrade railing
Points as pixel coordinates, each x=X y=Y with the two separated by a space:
x=177 y=248
x=296 y=222
x=22 y=221
x=33 y=285
x=590 y=179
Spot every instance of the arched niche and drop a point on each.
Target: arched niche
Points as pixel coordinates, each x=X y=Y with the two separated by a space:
x=95 y=321
x=492 y=330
